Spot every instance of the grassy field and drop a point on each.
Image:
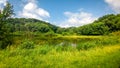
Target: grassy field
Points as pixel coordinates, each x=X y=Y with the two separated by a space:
x=88 y=52
x=106 y=57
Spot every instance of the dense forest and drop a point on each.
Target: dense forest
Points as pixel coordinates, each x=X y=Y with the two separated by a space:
x=104 y=25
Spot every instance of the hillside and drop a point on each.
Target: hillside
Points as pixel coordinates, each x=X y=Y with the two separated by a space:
x=104 y=25
x=30 y=24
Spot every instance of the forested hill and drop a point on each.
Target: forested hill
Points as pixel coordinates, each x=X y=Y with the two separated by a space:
x=111 y=20
x=30 y=24
x=104 y=25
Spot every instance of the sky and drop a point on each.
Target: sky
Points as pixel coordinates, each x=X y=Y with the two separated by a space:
x=64 y=13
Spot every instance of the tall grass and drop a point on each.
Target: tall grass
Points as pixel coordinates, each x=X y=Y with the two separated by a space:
x=63 y=52
x=49 y=57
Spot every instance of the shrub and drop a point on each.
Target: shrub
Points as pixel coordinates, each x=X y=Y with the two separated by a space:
x=27 y=45
x=44 y=50
x=86 y=46
x=5 y=42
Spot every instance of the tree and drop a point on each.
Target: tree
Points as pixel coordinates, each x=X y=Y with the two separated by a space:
x=5 y=14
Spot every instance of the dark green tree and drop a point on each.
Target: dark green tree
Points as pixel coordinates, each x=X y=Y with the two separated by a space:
x=5 y=14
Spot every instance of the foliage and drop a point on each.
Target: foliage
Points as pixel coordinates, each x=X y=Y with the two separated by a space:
x=94 y=29
x=111 y=20
x=32 y=25
x=50 y=46
x=90 y=51
x=104 y=25
x=5 y=14
x=26 y=44
x=47 y=56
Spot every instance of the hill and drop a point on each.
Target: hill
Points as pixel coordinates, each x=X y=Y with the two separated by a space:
x=30 y=24
x=104 y=25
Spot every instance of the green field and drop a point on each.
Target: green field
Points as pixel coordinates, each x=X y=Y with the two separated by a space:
x=88 y=52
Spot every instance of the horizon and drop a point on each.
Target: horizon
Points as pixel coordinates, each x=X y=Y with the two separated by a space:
x=64 y=13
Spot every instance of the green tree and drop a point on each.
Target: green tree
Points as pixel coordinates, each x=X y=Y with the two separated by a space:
x=5 y=14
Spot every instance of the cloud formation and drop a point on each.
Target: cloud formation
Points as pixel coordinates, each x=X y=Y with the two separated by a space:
x=77 y=19
x=2 y=3
x=31 y=10
x=114 y=4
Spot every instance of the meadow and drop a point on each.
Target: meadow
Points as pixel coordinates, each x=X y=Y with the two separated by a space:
x=33 y=43
x=63 y=52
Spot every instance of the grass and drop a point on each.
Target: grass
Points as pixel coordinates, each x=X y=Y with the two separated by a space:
x=89 y=52
x=49 y=57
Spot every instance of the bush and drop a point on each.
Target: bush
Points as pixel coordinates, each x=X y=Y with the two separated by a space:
x=5 y=42
x=44 y=49
x=27 y=45
x=86 y=46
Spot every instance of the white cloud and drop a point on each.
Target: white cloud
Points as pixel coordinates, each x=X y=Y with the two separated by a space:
x=2 y=3
x=31 y=10
x=77 y=19
x=114 y=4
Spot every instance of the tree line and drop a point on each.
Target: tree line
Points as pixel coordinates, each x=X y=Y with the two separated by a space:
x=8 y=26
x=104 y=25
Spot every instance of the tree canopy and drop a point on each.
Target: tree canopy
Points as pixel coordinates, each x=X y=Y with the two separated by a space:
x=5 y=14
x=104 y=25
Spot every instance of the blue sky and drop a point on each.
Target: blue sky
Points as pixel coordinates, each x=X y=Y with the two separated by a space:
x=64 y=13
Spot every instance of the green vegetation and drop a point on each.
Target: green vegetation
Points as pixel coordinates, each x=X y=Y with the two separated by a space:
x=104 y=25
x=4 y=31
x=31 y=43
x=92 y=53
